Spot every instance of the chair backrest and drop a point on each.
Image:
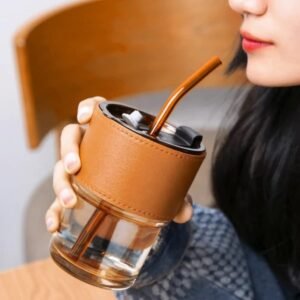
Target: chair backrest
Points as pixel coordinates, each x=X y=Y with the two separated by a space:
x=116 y=48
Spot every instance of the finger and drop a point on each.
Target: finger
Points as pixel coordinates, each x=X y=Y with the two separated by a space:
x=87 y=107
x=70 y=140
x=186 y=212
x=53 y=216
x=62 y=186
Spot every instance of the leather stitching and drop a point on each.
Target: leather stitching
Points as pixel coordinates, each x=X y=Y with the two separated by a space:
x=114 y=201
x=119 y=128
x=143 y=141
x=193 y=157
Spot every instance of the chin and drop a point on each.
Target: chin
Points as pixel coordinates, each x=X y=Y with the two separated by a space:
x=267 y=77
x=261 y=79
x=271 y=82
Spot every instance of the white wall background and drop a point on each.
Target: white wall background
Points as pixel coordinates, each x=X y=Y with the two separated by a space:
x=21 y=169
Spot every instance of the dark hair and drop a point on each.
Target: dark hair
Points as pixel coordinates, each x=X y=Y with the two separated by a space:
x=256 y=174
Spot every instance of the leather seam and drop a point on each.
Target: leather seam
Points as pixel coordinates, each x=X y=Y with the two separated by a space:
x=132 y=136
x=114 y=201
x=155 y=147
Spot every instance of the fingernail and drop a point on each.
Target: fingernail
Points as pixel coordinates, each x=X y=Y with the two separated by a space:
x=71 y=162
x=66 y=196
x=49 y=223
x=83 y=113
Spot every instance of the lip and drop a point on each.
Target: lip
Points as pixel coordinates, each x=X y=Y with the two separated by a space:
x=251 y=43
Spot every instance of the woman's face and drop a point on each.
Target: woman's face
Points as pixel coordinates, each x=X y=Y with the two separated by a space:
x=271 y=39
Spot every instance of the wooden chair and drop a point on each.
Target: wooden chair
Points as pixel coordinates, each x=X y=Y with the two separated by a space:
x=112 y=49
x=116 y=48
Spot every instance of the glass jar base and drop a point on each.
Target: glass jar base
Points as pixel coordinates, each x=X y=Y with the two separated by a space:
x=101 y=279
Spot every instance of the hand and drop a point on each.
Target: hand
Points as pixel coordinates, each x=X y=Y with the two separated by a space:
x=70 y=164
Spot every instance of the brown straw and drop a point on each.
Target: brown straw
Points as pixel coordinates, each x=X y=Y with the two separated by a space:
x=181 y=90
x=87 y=234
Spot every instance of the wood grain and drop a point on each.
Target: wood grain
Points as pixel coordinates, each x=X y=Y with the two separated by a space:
x=43 y=280
x=114 y=49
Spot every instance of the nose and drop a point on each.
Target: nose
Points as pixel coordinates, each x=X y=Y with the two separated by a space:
x=249 y=7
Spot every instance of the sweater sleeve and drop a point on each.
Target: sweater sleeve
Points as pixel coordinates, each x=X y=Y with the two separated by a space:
x=164 y=256
x=202 y=258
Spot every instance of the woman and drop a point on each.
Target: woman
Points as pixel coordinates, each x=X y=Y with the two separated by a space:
x=249 y=248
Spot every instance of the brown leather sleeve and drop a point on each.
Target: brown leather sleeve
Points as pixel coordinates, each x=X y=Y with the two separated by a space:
x=132 y=172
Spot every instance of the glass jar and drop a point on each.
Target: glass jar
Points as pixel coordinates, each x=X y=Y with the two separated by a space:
x=123 y=199
x=102 y=244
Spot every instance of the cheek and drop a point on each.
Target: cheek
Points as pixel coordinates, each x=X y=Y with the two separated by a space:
x=279 y=65
x=290 y=46
x=260 y=72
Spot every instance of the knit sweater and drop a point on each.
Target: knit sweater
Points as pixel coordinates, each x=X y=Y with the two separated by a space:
x=204 y=259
